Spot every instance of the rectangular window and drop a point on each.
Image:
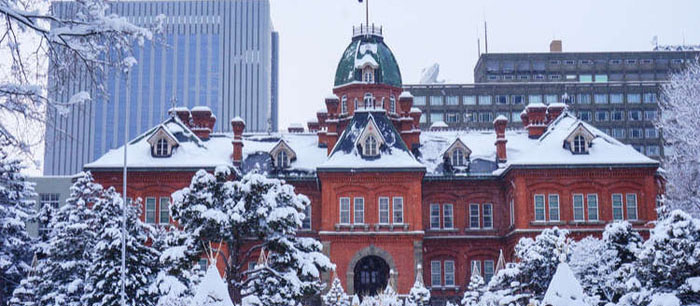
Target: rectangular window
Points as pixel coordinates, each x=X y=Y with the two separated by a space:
x=616 y=115
x=652 y=150
x=447 y=216
x=435 y=274
x=534 y=99
x=649 y=97
x=345 y=210
x=636 y=133
x=632 y=206
x=618 y=133
x=570 y=77
x=539 y=77
x=584 y=99
x=451 y=117
x=600 y=98
x=436 y=117
x=359 y=211
x=585 y=78
x=584 y=115
x=306 y=223
x=469 y=100
x=553 y=207
x=51 y=200
x=452 y=100
x=551 y=99
x=554 y=77
x=617 y=206
x=634 y=98
x=523 y=77
x=502 y=99
x=601 y=116
x=477 y=264
x=419 y=100
x=488 y=270
x=517 y=99
x=485 y=116
x=578 y=207
x=423 y=118
x=151 y=210
x=203 y=263
x=473 y=215
x=164 y=216
x=449 y=273
x=383 y=210
x=635 y=115
x=539 y=207
x=436 y=100
x=512 y=212
x=616 y=98
x=592 y=207
x=516 y=117
x=484 y=100
x=488 y=215
x=650 y=115
x=601 y=78
x=398 y=210
x=435 y=216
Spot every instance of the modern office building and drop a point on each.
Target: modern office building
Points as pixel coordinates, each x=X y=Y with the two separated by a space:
x=220 y=54
x=615 y=91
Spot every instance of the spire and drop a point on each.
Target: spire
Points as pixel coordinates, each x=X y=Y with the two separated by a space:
x=419 y=274
x=501 y=262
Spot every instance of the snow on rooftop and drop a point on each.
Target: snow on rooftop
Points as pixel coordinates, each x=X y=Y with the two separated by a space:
x=237 y=119
x=366 y=60
x=500 y=118
x=415 y=110
x=558 y=104
x=201 y=109
x=536 y=105
x=332 y=96
x=179 y=108
x=296 y=125
x=438 y=124
x=405 y=94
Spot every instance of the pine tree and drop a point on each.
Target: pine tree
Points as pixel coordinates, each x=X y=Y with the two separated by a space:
x=177 y=272
x=15 y=210
x=474 y=290
x=70 y=239
x=389 y=297
x=104 y=276
x=336 y=295
x=418 y=295
x=25 y=294
x=216 y=210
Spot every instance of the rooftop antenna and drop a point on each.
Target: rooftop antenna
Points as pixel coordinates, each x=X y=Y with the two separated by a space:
x=486 y=38
x=366 y=11
x=478 y=42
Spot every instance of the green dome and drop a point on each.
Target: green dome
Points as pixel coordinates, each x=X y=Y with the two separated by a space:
x=363 y=50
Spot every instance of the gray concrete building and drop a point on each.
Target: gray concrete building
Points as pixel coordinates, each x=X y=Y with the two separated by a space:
x=52 y=191
x=615 y=91
x=216 y=53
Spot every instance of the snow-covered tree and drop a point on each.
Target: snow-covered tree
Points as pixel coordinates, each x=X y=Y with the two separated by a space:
x=212 y=290
x=26 y=293
x=418 y=295
x=389 y=297
x=216 y=210
x=177 y=269
x=82 y=45
x=15 y=209
x=71 y=236
x=475 y=288
x=671 y=257
x=680 y=123
x=103 y=285
x=336 y=296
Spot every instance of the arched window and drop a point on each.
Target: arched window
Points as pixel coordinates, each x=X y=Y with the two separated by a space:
x=356 y=104
x=282 y=159
x=162 y=147
x=369 y=100
x=344 y=104
x=458 y=158
x=392 y=104
x=368 y=75
x=371 y=146
x=579 y=144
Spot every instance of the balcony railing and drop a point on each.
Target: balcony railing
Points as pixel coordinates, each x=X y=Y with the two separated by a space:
x=363 y=29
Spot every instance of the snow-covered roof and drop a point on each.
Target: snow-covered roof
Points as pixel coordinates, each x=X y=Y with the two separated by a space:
x=438 y=124
x=522 y=151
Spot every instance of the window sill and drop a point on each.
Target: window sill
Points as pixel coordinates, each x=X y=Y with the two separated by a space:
x=445 y=288
x=479 y=229
x=598 y=222
x=352 y=227
x=444 y=230
x=547 y=222
x=391 y=227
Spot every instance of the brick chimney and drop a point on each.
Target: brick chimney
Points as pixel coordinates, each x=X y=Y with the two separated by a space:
x=312 y=126
x=405 y=102
x=238 y=125
x=332 y=103
x=202 y=121
x=535 y=119
x=555 y=46
x=554 y=110
x=182 y=113
x=500 y=126
x=415 y=115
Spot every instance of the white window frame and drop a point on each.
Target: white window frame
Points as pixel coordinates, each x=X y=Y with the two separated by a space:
x=581 y=209
x=488 y=273
x=632 y=207
x=554 y=208
x=307 y=217
x=458 y=158
x=435 y=273
x=592 y=207
x=344 y=104
x=449 y=273
x=150 y=211
x=473 y=217
x=471 y=267
x=358 y=210
x=619 y=207
x=282 y=159
x=485 y=216
x=512 y=212
x=543 y=208
x=164 y=201
x=383 y=210
x=392 y=104
x=448 y=216
x=344 y=201
x=434 y=217
x=162 y=147
x=397 y=208
x=371 y=146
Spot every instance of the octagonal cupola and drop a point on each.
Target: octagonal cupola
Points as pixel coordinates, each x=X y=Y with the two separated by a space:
x=368 y=60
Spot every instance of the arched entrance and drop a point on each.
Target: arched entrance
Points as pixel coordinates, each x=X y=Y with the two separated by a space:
x=371 y=275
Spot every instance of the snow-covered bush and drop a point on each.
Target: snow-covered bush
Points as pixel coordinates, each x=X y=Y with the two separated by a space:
x=177 y=271
x=336 y=296
x=418 y=295
x=15 y=210
x=474 y=290
x=213 y=210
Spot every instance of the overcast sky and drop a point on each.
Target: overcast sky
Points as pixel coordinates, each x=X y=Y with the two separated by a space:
x=314 y=33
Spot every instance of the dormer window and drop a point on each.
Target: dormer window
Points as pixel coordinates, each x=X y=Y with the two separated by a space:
x=162 y=148
x=458 y=158
x=282 y=155
x=371 y=147
x=579 y=141
x=368 y=75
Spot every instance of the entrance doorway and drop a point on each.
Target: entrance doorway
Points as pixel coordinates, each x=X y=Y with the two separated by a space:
x=371 y=275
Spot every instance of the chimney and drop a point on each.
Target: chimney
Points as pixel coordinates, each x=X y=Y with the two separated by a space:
x=555 y=46
x=238 y=125
x=406 y=102
x=536 y=121
x=500 y=126
x=554 y=110
x=295 y=128
x=182 y=113
x=202 y=121
x=415 y=114
x=313 y=126
x=332 y=102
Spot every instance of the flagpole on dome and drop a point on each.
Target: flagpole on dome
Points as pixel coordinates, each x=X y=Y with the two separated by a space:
x=366 y=12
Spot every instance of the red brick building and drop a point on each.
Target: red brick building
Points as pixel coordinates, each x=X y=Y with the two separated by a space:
x=386 y=197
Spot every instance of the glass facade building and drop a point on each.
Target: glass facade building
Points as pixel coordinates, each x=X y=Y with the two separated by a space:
x=220 y=54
